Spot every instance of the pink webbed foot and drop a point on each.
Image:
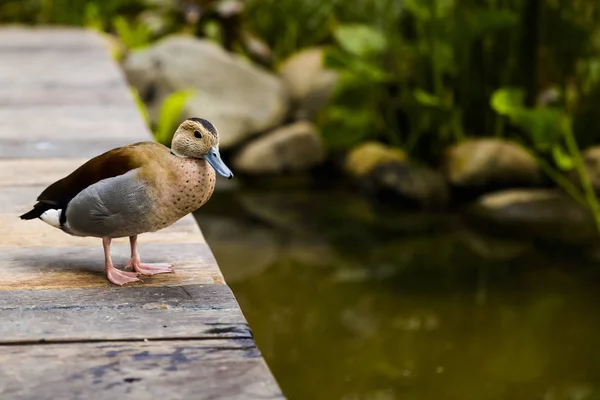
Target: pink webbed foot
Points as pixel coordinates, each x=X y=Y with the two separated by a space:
x=120 y=278
x=149 y=269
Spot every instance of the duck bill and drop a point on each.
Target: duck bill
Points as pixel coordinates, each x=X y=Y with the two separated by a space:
x=214 y=159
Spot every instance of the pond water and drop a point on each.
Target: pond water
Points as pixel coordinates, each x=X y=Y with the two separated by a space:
x=351 y=302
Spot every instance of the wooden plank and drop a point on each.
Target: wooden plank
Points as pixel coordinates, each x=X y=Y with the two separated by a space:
x=83 y=266
x=58 y=39
x=29 y=70
x=204 y=297
x=15 y=148
x=28 y=172
x=221 y=369
x=131 y=314
x=77 y=123
x=65 y=94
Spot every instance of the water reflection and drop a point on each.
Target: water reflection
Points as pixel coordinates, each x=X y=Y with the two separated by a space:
x=349 y=303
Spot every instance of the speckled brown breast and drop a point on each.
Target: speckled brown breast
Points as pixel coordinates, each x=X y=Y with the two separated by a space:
x=186 y=189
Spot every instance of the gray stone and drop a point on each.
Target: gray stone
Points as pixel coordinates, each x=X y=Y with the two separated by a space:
x=591 y=159
x=415 y=184
x=383 y=168
x=543 y=214
x=485 y=163
x=294 y=148
x=309 y=82
x=239 y=98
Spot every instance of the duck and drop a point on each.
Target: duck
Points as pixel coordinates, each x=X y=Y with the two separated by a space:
x=138 y=188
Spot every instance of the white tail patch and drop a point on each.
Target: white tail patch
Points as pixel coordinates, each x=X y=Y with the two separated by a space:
x=52 y=217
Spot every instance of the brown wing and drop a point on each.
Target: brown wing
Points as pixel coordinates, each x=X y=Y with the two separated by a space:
x=112 y=163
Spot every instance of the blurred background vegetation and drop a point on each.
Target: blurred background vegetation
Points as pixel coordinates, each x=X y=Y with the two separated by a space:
x=419 y=74
x=353 y=299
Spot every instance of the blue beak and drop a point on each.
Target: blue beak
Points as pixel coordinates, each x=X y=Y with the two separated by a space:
x=214 y=159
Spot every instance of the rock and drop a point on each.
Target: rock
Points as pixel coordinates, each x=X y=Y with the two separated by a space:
x=542 y=214
x=591 y=159
x=490 y=163
x=293 y=148
x=309 y=82
x=385 y=169
x=239 y=98
x=364 y=158
x=417 y=184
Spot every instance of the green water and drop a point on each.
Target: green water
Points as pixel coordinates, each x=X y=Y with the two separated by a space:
x=350 y=302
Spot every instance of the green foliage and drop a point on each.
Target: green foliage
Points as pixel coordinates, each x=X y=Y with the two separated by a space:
x=360 y=40
x=170 y=113
x=351 y=119
x=418 y=74
x=93 y=20
x=550 y=131
x=133 y=35
x=543 y=124
x=68 y=12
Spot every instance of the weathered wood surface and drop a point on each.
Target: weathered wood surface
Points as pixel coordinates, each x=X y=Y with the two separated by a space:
x=65 y=332
x=153 y=370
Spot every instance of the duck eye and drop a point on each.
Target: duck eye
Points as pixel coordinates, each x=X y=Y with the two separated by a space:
x=198 y=135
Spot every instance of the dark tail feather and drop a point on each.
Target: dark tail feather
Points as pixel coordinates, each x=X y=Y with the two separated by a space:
x=37 y=211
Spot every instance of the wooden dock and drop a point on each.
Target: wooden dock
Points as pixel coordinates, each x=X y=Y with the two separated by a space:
x=65 y=332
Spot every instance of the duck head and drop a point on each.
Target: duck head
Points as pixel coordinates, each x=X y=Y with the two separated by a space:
x=198 y=138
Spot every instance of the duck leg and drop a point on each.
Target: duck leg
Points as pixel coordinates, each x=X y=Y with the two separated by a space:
x=145 y=269
x=114 y=275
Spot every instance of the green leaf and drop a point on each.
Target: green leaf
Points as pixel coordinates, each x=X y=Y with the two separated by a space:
x=133 y=36
x=542 y=124
x=369 y=71
x=563 y=160
x=362 y=69
x=336 y=59
x=483 y=21
x=360 y=40
x=427 y=99
x=346 y=127
x=508 y=101
x=170 y=113
x=92 y=17
x=426 y=10
x=443 y=8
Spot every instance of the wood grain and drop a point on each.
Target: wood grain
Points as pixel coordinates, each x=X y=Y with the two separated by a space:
x=217 y=369
x=120 y=323
x=58 y=39
x=82 y=69
x=73 y=122
x=16 y=148
x=83 y=267
x=63 y=95
x=199 y=296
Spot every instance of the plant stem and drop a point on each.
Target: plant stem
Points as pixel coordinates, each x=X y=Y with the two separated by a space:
x=561 y=181
x=590 y=194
